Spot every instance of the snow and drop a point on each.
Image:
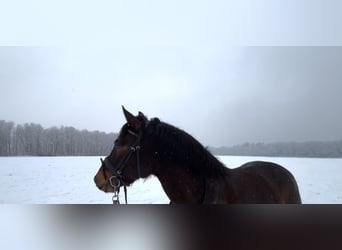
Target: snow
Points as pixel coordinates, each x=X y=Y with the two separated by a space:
x=69 y=180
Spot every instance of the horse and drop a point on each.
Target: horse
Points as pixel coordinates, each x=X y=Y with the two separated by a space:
x=187 y=171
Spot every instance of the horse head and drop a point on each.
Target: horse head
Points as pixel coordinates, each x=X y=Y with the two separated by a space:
x=123 y=166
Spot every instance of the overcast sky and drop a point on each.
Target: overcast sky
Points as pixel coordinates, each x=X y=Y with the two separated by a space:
x=226 y=72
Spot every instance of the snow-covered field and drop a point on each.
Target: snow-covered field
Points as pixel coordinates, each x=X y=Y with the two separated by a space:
x=69 y=180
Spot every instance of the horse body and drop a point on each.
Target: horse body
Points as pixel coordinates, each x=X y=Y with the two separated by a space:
x=187 y=171
x=252 y=183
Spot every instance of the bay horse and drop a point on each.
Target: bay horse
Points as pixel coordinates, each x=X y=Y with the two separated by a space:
x=187 y=171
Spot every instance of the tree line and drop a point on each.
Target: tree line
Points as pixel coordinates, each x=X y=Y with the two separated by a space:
x=34 y=140
x=328 y=149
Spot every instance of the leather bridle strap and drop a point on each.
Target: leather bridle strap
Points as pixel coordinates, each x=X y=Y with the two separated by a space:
x=117 y=171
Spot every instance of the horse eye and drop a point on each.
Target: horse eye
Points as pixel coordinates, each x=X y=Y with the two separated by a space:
x=116 y=143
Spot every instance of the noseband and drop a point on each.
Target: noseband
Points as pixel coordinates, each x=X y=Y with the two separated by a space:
x=117 y=170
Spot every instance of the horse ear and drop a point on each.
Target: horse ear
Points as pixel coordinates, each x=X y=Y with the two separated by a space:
x=142 y=117
x=131 y=119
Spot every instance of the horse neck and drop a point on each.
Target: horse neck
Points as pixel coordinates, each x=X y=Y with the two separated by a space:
x=179 y=184
x=181 y=169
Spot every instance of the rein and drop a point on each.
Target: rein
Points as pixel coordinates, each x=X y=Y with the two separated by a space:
x=117 y=170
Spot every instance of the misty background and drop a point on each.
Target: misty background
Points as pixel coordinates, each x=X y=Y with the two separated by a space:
x=244 y=94
x=208 y=68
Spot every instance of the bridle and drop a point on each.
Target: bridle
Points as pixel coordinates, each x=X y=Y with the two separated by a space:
x=117 y=170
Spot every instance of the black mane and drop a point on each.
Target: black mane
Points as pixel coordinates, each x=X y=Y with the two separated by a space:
x=171 y=144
